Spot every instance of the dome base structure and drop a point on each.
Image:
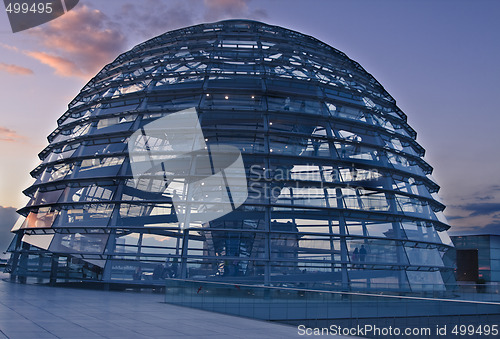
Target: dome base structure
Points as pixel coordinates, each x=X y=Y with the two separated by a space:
x=330 y=190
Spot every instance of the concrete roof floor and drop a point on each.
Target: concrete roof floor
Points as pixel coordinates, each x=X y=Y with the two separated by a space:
x=38 y=311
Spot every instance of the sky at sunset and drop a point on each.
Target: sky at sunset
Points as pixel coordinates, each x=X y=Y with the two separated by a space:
x=439 y=59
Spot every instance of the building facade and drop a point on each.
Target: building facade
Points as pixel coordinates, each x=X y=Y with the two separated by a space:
x=478 y=257
x=338 y=193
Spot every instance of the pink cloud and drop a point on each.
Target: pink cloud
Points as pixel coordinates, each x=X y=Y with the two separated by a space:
x=9 y=135
x=9 y=47
x=84 y=37
x=84 y=40
x=62 y=66
x=14 y=69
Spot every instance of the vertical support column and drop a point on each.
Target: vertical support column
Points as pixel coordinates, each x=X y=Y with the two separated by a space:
x=185 y=224
x=343 y=244
x=344 y=255
x=184 y=253
x=40 y=269
x=267 y=247
x=400 y=253
x=267 y=214
x=330 y=226
x=15 y=257
x=67 y=270
x=23 y=263
x=110 y=249
x=109 y=252
x=53 y=269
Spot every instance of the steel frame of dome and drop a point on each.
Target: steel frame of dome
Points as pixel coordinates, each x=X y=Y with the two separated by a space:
x=312 y=126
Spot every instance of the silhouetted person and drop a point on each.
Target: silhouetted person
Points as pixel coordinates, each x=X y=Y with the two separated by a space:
x=97 y=271
x=85 y=269
x=355 y=255
x=362 y=253
x=168 y=271
x=138 y=273
x=287 y=104
x=157 y=272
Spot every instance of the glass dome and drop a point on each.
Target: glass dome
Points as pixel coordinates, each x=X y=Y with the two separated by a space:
x=337 y=192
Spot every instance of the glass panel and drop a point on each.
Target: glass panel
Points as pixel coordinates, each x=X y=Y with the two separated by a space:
x=424 y=256
x=373 y=251
x=92 y=193
x=415 y=231
x=43 y=217
x=79 y=243
x=87 y=215
x=42 y=198
x=425 y=280
x=95 y=163
x=38 y=240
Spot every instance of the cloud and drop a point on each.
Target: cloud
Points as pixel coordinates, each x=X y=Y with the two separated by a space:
x=487 y=197
x=14 y=69
x=9 y=135
x=82 y=41
x=475 y=211
x=140 y=19
x=151 y=17
x=62 y=66
x=9 y=47
x=220 y=9
x=475 y=218
x=85 y=37
x=481 y=208
x=493 y=228
x=230 y=9
x=8 y=217
x=453 y=217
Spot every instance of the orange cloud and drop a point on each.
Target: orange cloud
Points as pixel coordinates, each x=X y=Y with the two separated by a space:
x=62 y=66
x=79 y=43
x=14 y=69
x=9 y=135
x=86 y=39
